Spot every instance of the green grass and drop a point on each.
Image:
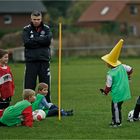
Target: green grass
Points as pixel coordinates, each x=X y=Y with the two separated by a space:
x=81 y=80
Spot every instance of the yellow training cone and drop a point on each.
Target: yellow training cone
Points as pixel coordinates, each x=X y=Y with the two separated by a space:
x=112 y=57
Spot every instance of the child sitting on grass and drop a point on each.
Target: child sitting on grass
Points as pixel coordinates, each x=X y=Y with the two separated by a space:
x=21 y=112
x=41 y=103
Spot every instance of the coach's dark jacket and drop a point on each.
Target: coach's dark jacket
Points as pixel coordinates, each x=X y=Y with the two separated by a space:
x=37 y=42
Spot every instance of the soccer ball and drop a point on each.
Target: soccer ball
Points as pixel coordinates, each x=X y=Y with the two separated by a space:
x=130 y=115
x=38 y=115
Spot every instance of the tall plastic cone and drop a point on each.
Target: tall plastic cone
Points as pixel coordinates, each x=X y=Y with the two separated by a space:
x=112 y=57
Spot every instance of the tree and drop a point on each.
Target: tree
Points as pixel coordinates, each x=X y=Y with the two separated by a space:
x=56 y=9
x=75 y=11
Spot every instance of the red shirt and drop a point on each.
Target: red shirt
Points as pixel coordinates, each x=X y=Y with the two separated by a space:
x=6 y=82
x=28 y=117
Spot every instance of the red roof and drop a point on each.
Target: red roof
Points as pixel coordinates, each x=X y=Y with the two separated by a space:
x=109 y=9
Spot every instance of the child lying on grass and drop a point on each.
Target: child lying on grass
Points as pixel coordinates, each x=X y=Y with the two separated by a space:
x=21 y=112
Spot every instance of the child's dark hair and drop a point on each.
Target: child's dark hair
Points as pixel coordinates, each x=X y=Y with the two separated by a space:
x=2 y=53
x=41 y=86
x=36 y=13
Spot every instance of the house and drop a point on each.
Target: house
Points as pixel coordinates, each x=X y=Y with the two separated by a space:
x=122 y=16
x=15 y=14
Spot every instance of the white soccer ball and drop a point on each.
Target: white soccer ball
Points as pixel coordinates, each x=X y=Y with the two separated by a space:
x=130 y=115
x=39 y=115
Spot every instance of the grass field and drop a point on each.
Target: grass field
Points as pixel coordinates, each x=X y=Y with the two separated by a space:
x=81 y=80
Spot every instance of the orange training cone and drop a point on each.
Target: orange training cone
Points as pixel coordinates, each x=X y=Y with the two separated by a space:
x=112 y=57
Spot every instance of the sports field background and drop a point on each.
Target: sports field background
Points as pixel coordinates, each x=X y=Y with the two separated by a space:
x=81 y=80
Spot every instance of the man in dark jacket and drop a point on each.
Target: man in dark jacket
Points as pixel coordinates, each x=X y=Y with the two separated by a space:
x=37 y=39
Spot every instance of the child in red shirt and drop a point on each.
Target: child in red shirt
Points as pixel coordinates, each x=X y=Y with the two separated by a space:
x=6 y=81
x=21 y=112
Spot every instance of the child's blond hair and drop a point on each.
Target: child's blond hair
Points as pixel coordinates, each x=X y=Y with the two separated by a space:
x=41 y=86
x=28 y=93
